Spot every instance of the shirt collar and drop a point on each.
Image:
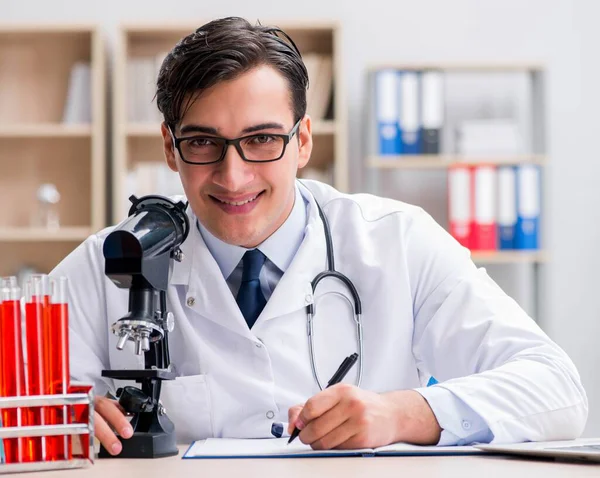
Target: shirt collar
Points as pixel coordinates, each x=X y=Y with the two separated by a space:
x=280 y=248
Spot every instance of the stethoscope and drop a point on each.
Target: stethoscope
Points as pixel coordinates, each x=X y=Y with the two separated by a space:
x=310 y=308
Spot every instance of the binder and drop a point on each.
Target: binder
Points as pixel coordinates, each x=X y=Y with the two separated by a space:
x=459 y=204
x=507 y=207
x=432 y=111
x=78 y=105
x=409 y=124
x=211 y=448
x=386 y=92
x=484 y=210
x=528 y=207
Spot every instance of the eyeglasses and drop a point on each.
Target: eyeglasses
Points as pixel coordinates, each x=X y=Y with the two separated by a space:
x=254 y=148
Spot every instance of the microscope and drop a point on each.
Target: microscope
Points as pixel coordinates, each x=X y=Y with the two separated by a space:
x=138 y=255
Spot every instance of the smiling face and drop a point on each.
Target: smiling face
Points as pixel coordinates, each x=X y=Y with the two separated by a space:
x=239 y=202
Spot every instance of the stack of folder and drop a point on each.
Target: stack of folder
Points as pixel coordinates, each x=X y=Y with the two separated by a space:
x=409 y=111
x=495 y=207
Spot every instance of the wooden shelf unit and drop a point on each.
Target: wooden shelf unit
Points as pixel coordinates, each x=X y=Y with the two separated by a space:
x=37 y=146
x=135 y=142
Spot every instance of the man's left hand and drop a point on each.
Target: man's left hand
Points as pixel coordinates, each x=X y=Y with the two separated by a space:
x=345 y=416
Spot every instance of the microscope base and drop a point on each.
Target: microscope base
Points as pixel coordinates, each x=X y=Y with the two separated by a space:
x=145 y=445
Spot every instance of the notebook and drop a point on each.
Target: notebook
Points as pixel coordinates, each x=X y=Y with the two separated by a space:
x=278 y=448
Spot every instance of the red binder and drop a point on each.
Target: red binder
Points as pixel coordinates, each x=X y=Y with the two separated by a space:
x=484 y=228
x=460 y=204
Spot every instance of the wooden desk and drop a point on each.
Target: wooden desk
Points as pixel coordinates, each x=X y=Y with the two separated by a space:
x=484 y=466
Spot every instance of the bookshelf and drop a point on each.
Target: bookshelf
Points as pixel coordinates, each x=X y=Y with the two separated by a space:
x=137 y=146
x=52 y=99
x=381 y=167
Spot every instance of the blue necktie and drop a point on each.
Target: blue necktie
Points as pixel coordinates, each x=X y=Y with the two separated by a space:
x=250 y=297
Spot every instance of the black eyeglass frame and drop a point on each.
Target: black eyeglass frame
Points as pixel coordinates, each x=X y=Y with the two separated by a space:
x=235 y=142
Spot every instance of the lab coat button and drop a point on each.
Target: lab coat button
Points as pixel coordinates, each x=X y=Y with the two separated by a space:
x=466 y=425
x=270 y=414
x=191 y=301
x=308 y=298
x=258 y=345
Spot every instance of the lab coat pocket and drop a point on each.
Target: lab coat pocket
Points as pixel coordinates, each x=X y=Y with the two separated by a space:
x=187 y=400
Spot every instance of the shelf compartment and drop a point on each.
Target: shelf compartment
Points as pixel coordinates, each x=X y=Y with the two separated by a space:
x=27 y=164
x=41 y=256
x=34 y=73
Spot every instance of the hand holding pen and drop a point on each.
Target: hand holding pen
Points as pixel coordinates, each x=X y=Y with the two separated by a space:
x=338 y=376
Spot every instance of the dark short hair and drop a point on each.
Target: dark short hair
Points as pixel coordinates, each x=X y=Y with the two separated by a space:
x=222 y=50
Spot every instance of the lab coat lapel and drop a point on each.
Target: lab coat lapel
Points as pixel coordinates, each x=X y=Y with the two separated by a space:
x=213 y=298
x=294 y=289
x=207 y=291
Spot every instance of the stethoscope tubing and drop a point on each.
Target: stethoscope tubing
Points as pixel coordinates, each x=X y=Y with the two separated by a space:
x=357 y=305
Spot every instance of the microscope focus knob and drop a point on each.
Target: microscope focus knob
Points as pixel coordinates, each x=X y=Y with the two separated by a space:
x=133 y=400
x=170 y=321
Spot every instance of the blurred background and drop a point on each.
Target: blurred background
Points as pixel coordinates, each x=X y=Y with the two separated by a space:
x=483 y=113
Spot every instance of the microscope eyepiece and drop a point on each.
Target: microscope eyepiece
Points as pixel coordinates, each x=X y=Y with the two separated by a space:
x=142 y=245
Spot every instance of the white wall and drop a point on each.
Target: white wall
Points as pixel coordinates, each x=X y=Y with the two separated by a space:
x=562 y=34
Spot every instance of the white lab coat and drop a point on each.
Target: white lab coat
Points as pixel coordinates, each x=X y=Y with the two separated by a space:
x=427 y=310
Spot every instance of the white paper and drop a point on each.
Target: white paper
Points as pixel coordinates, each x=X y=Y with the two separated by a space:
x=253 y=447
x=232 y=447
x=405 y=448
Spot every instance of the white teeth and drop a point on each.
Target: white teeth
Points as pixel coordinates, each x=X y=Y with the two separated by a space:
x=240 y=203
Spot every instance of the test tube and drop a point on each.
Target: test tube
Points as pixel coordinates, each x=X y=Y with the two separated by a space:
x=2 y=458
x=37 y=311
x=12 y=372
x=56 y=342
x=80 y=444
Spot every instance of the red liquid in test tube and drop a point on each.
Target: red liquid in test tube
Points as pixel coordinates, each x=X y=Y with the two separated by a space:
x=37 y=311
x=56 y=339
x=12 y=372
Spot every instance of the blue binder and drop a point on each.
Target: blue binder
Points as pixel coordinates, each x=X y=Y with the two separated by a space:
x=386 y=92
x=409 y=118
x=507 y=207
x=528 y=207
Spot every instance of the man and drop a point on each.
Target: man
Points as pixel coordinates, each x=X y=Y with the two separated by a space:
x=233 y=98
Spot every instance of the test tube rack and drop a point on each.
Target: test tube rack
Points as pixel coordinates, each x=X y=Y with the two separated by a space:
x=85 y=458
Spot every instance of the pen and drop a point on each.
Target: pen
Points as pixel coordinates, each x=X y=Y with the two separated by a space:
x=338 y=376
